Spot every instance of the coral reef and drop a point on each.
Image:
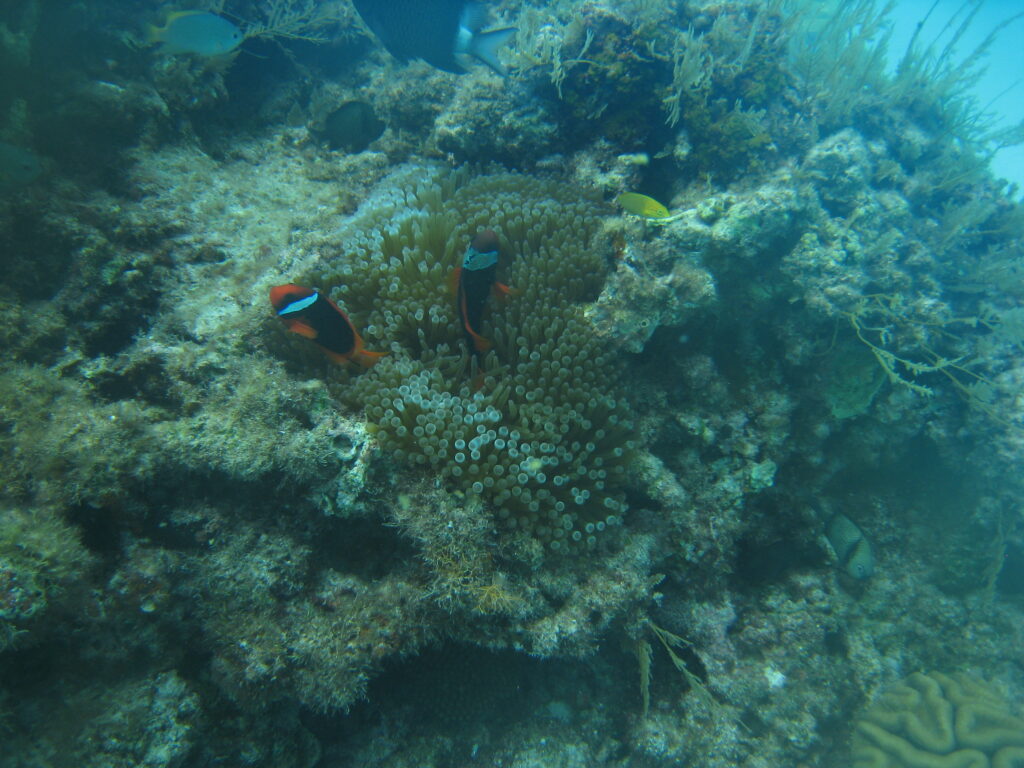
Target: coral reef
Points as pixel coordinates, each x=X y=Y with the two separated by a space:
x=608 y=535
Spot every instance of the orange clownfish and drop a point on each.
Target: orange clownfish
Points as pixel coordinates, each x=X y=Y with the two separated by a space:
x=309 y=313
x=475 y=279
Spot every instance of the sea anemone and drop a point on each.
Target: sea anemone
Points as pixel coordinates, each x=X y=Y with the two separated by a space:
x=537 y=427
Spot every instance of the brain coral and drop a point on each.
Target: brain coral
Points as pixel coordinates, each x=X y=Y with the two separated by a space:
x=538 y=427
x=939 y=721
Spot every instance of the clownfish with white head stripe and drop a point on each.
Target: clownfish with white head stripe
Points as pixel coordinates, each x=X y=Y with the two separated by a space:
x=475 y=280
x=309 y=313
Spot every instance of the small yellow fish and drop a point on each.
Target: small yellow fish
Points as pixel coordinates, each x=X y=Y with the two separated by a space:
x=642 y=205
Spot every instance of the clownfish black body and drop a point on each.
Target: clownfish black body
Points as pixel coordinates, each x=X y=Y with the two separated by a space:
x=475 y=280
x=309 y=313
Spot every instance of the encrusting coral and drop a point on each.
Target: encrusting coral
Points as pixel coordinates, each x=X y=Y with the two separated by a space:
x=537 y=427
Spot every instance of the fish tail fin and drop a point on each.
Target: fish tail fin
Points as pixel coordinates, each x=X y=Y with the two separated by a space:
x=485 y=47
x=504 y=292
x=474 y=16
x=154 y=34
x=334 y=357
x=480 y=344
x=364 y=358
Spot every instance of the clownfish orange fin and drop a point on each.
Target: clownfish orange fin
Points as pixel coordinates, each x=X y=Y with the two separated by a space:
x=502 y=291
x=480 y=344
x=365 y=358
x=453 y=281
x=306 y=331
x=335 y=357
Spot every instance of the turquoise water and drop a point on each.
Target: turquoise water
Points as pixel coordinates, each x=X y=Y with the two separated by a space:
x=633 y=383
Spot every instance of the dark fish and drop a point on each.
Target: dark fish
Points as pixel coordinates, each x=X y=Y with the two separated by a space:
x=18 y=168
x=352 y=127
x=437 y=31
x=311 y=314
x=852 y=549
x=475 y=279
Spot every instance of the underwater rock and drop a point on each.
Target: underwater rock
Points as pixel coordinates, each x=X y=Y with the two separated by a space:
x=757 y=223
x=841 y=168
x=603 y=93
x=148 y=721
x=273 y=637
x=1010 y=580
x=18 y=168
x=751 y=227
x=482 y=124
x=42 y=562
x=652 y=287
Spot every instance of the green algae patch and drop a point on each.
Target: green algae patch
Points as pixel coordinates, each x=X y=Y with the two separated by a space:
x=41 y=560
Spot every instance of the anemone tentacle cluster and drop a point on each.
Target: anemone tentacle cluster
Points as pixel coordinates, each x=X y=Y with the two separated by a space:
x=538 y=427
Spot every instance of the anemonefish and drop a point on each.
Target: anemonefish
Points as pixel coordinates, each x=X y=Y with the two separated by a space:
x=474 y=280
x=309 y=313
